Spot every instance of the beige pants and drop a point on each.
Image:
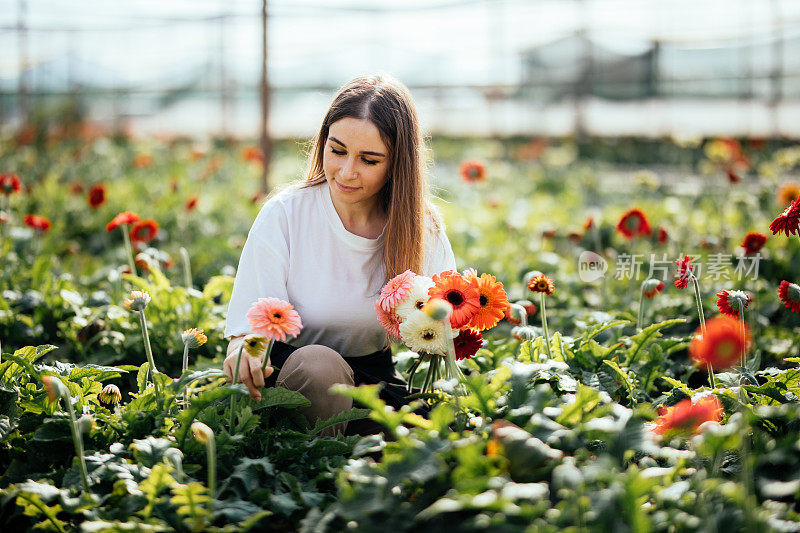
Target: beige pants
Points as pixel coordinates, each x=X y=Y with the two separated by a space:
x=311 y=371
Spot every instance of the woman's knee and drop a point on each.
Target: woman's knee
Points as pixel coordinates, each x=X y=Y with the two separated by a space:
x=318 y=363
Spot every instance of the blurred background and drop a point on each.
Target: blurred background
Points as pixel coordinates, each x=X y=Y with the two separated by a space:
x=672 y=68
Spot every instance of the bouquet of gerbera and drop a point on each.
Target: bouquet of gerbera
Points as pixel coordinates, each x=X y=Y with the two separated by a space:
x=441 y=318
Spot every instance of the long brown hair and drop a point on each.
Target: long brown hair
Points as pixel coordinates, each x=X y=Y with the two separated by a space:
x=387 y=103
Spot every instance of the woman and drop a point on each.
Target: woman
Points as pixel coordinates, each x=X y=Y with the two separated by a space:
x=330 y=243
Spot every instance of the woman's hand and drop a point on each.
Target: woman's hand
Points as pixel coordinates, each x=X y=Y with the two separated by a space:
x=250 y=373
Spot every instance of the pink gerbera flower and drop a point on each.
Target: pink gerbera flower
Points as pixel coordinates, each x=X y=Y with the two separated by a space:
x=396 y=290
x=274 y=318
x=389 y=320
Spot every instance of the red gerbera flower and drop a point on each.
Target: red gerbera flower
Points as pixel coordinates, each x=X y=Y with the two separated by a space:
x=789 y=294
x=662 y=235
x=9 y=184
x=126 y=217
x=685 y=270
x=144 y=230
x=467 y=343
x=753 y=242
x=722 y=344
x=728 y=302
x=589 y=224
x=633 y=223
x=76 y=187
x=253 y=154
x=687 y=416
x=191 y=203
x=542 y=283
x=472 y=171
x=787 y=221
x=733 y=176
x=38 y=222
x=460 y=293
x=97 y=195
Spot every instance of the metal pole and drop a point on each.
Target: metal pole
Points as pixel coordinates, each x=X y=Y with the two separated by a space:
x=266 y=144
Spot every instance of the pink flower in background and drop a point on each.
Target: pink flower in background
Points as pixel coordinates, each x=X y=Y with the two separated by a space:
x=396 y=290
x=389 y=320
x=274 y=318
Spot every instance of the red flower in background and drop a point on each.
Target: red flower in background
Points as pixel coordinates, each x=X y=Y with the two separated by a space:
x=733 y=177
x=37 y=222
x=542 y=283
x=76 y=187
x=97 y=195
x=633 y=223
x=191 y=203
x=789 y=294
x=9 y=184
x=663 y=236
x=253 y=154
x=144 y=230
x=472 y=171
x=589 y=224
x=652 y=287
x=126 y=217
x=787 y=221
x=467 y=343
x=142 y=160
x=728 y=302
x=722 y=345
x=685 y=271
x=687 y=416
x=753 y=242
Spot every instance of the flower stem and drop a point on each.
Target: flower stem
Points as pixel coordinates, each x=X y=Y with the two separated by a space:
x=266 y=355
x=128 y=248
x=78 y=440
x=744 y=337
x=641 y=308
x=149 y=352
x=235 y=381
x=187 y=269
x=711 y=376
x=211 y=452
x=185 y=365
x=411 y=372
x=544 y=328
x=699 y=304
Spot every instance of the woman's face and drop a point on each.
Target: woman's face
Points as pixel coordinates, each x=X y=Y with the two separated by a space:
x=355 y=161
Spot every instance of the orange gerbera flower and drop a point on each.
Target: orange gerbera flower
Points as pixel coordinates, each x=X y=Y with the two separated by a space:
x=142 y=160
x=633 y=223
x=789 y=294
x=126 y=217
x=686 y=416
x=542 y=283
x=253 y=154
x=722 y=345
x=97 y=195
x=788 y=193
x=753 y=242
x=460 y=293
x=493 y=302
x=274 y=318
x=38 y=222
x=144 y=230
x=472 y=171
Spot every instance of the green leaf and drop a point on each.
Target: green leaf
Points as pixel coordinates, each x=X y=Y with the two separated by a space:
x=219 y=285
x=7 y=426
x=678 y=385
x=192 y=502
x=190 y=377
x=586 y=400
x=53 y=429
x=156 y=483
x=646 y=336
x=96 y=372
x=200 y=402
x=344 y=416
x=627 y=381
x=141 y=377
x=150 y=451
x=279 y=397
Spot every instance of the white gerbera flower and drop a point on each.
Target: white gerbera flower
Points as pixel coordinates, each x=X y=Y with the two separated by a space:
x=416 y=298
x=422 y=333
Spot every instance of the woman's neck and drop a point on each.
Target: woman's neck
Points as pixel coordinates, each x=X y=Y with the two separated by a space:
x=363 y=220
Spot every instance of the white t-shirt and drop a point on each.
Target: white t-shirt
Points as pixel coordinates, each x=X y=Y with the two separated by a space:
x=298 y=250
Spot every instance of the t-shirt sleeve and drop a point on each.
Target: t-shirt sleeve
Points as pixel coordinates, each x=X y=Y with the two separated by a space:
x=438 y=253
x=263 y=266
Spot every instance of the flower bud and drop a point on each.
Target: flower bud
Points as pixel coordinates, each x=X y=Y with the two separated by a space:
x=201 y=432
x=255 y=345
x=194 y=338
x=437 y=309
x=86 y=423
x=110 y=394
x=55 y=389
x=138 y=301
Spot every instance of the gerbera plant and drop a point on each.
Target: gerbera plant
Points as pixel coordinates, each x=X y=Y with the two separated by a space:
x=788 y=221
x=733 y=304
x=472 y=171
x=650 y=288
x=56 y=390
x=138 y=301
x=274 y=319
x=753 y=242
x=687 y=416
x=685 y=276
x=633 y=223
x=545 y=287
x=122 y=221
x=256 y=346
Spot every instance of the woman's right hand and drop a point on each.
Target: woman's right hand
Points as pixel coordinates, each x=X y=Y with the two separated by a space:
x=250 y=373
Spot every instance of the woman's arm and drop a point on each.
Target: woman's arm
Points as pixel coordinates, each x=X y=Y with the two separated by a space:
x=250 y=373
